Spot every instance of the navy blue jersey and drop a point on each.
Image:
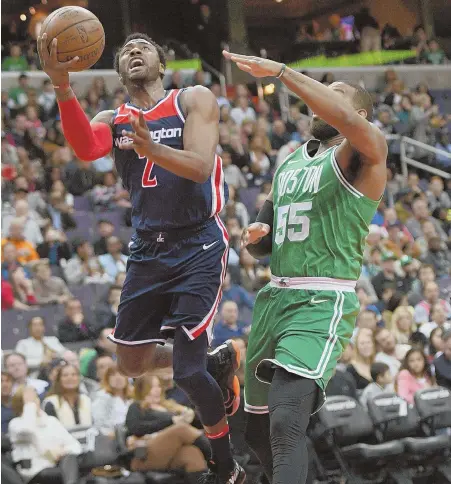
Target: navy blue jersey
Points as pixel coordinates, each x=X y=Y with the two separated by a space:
x=160 y=199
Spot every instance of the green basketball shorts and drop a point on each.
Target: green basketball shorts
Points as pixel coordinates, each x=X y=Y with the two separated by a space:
x=301 y=325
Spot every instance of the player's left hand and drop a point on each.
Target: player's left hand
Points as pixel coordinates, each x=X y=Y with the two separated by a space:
x=141 y=139
x=254 y=233
x=256 y=66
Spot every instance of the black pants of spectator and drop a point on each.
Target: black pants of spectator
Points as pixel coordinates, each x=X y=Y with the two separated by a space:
x=65 y=473
x=9 y=475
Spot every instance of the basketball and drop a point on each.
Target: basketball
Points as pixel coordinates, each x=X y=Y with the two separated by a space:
x=79 y=33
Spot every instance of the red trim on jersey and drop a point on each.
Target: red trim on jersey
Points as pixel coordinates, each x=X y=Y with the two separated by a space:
x=220 y=434
x=217 y=187
x=208 y=320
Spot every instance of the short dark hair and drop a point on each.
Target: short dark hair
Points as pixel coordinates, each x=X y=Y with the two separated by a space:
x=138 y=35
x=104 y=221
x=362 y=99
x=378 y=369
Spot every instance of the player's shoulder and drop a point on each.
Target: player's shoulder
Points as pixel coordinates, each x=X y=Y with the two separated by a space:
x=197 y=97
x=105 y=117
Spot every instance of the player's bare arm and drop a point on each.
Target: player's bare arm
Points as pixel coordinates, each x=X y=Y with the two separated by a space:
x=89 y=141
x=332 y=106
x=200 y=138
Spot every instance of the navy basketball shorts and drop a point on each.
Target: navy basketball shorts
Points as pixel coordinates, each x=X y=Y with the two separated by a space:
x=174 y=280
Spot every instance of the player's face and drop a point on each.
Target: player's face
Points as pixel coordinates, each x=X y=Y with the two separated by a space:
x=139 y=62
x=318 y=127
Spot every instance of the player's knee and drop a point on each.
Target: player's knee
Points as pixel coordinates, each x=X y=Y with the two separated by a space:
x=133 y=363
x=280 y=422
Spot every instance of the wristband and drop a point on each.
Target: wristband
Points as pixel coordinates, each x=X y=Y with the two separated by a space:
x=62 y=86
x=282 y=71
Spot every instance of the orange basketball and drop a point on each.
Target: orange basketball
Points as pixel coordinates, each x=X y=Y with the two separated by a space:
x=79 y=33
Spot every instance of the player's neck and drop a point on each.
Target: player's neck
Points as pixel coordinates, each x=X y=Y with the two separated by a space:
x=325 y=145
x=146 y=97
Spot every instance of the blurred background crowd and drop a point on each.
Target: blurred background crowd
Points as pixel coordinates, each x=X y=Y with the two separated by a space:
x=66 y=226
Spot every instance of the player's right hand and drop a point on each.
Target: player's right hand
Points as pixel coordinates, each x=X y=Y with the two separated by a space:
x=56 y=70
x=254 y=233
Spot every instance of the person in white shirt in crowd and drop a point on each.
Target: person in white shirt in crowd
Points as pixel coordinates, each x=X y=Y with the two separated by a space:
x=113 y=261
x=39 y=349
x=389 y=352
x=16 y=366
x=111 y=403
x=382 y=382
x=65 y=400
x=31 y=220
x=431 y=297
x=437 y=318
x=84 y=267
x=47 y=98
x=242 y=111
x=45 y=451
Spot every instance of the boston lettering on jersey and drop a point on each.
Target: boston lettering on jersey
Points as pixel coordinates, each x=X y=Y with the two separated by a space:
x=160 y=199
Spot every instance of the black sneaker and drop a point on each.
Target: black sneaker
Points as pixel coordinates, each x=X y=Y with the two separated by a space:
x=222 y=363
x=236 y=476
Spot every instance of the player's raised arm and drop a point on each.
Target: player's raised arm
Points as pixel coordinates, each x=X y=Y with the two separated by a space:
x=326 y=103
x=89 y=141
x=200 y=138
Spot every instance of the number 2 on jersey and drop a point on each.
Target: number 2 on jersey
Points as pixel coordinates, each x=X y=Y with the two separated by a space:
x=291 y=224
x=147 y=181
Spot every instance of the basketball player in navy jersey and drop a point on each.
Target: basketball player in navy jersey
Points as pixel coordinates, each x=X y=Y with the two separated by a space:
x=164 y=145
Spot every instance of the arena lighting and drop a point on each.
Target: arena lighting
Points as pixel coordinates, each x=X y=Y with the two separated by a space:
x=44 y=2
x=32 y=10
x=23 y=17
x=269 y=89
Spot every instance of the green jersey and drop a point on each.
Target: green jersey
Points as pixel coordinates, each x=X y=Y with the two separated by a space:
x=320 y=220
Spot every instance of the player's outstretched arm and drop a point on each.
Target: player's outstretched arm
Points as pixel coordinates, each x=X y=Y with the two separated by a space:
x=200 y=138
x=89 y=141
x=330 y=106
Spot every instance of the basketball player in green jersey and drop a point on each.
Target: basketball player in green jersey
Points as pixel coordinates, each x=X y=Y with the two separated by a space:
x=313 y=225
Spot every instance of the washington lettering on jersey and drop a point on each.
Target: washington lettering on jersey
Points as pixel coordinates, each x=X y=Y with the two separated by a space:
x=160 y=199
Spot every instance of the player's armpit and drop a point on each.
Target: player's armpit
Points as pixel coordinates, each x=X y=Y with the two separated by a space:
x=201 y=133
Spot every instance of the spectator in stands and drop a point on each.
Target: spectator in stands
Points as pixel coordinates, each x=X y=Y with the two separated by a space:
x=41 y=442
x=442 y=362
x=55 y=247
x=7 y=411
x=105 y=229
x=39 y=349
x=364 y=353
x=25 y=250
x=437 y=318
x=228 y=326
x=387 y=278
x=259 y=169
x=236 y=293
x=242 y=111
x=341 y=383
x=16 y=366
x=382 y=382
x=438 y=199
x=59 y=212
x=8 y=299
x=106 y=313
x=389 y=352
x=58 y=186
x=30 y=219
x=65 y=401
x=84 y=267
x=15 y=62
x=415 y=375
x=431 y=297
x=420 y=215
x=176 y=81
x=279 y=135
x=443 y=143
x=102 y=363
x=48 y=289
x=368 y=28
x=436 y=344
x=438 y=256
x=433 y=54
x=75 y=327
x=215 y=88
x=10 y=261
x=110 y=406
x=164 y=429
x=110 y=194
x=368 y=318
x=22 y=287
x=103 y=347
x=426 y=274
x=47 y=99
x=232 y=174
x=113 y=261
x=235 y=209
x=402 y=324
x=80 y=177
